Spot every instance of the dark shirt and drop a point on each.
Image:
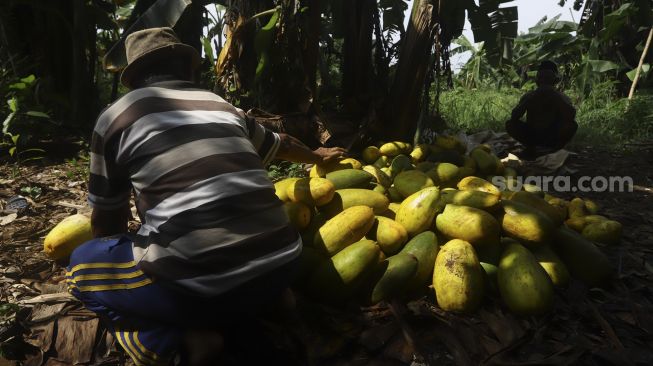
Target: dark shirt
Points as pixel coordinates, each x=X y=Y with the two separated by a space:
x=546 y=108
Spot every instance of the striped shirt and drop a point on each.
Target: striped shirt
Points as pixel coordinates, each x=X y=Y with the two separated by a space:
x=210 y=218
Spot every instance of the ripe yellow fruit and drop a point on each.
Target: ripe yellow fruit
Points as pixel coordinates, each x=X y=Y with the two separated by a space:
x=577 y=208
x=311 y=191
x=450 y=143
x=553 y=266
x=478 y=184
x=321 y=170
x=579 y=223
x=477 y=199
x=526 y=224
x=371 y=154
x=524 y=284
x=411 y=181
x=591 y=207
x=458 y=277
x=380 y=177
x=444 y=175
x=556 y=214
x=350 y=197
x=486 y=162
x=70 y=233
x=419 y=153
x=349 y=163
x=280 y=188
x=338 y=277
x=417 y=212
x=391 y=212
x=344 y=229
x=389 y=235
x=299 y=214
x=469 y=224
x=604 y=232
x=395 y=148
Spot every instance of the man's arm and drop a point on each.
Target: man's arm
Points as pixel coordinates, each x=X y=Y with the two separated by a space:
x=520 y=109
x=566 y=107
x=294 y=150
x=110 y=222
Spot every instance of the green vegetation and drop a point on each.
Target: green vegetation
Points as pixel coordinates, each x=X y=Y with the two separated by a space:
x=33 y=192
x=603 y=116
x=597 y=69
x=281 y=169
x=472 y=110
x=78 y=168
x=355 y=61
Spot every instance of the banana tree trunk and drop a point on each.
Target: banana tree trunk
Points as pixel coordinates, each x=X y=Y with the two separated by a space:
x=403 y=107
x=190 y=26
x=312 y=50
x=82 y=92
x=357 y=72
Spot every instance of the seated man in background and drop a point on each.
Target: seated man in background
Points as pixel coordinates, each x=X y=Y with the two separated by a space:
x=550 y=115
x=215 y=244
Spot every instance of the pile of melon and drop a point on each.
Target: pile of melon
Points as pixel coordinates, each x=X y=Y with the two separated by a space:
x=427 y=218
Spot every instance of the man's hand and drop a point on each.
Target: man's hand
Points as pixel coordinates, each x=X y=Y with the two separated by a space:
x=329 y=154
x=292 y=149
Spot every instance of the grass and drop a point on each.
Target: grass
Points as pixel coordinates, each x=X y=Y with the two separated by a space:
x=78 y=168
x=603 y=117
x=473 y=110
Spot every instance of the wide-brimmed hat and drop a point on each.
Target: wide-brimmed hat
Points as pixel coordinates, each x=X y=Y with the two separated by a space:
x=146 y=46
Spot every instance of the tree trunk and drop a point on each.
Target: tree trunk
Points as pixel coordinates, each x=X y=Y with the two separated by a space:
x=139 y=8
x=312 y=51
x=403 y=107
x=190 y=26
x=357 y=55
x=81 y=91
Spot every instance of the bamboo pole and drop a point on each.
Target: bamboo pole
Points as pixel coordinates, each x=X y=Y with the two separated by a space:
x=641 y=64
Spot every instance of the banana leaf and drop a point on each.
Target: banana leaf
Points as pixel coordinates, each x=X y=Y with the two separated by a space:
x=645 y=69
x=615 y=21
x=164 y=13
x=495 y=27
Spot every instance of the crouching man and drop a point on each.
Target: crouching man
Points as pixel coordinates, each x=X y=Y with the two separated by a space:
x=550 y=115
x=215 y=243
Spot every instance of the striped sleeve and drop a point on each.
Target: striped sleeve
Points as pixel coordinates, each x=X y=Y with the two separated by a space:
x=108 y=187
x=265 y=141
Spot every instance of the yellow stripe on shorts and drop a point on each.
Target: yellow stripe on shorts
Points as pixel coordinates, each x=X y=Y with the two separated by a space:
x=129 y=351
x=144 y=349
x=106 y=276
x=117 y=286
x=100 y=265
x=144 y=358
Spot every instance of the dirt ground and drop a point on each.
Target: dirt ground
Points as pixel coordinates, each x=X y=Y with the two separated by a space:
x=41 y=325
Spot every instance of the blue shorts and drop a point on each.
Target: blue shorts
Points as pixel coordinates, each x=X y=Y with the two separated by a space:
x=103 y=275
x=147 y=318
